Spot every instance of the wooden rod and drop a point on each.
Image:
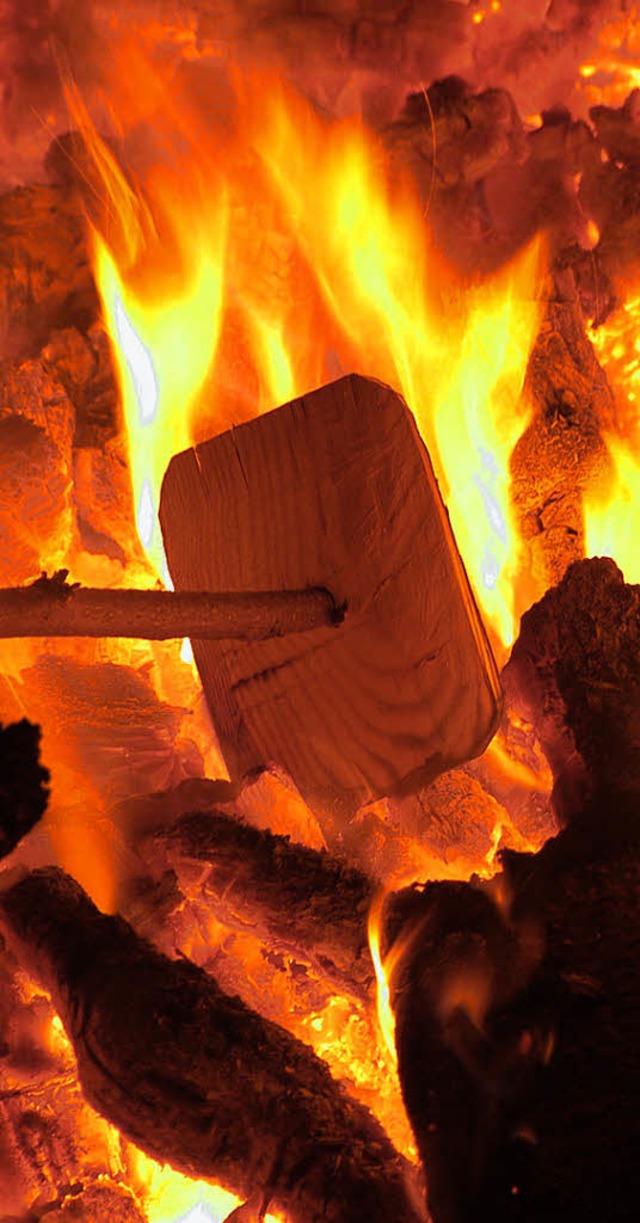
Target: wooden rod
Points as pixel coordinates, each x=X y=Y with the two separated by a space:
x=51 y=607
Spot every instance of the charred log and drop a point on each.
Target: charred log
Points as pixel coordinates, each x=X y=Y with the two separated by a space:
x=517 y=1030
x=575 y=674
x=23 y=783
x=53 y=607
x=296 y=898
x=193 y=1076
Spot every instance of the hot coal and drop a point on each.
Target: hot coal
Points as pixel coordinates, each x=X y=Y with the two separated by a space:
x=574 y=672
x=193 y=1076
x=297 y=898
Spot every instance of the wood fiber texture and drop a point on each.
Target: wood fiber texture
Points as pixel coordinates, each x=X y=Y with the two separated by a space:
x=335 y=489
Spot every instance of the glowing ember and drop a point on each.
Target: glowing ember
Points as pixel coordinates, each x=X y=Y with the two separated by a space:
x=169 y=1197
x=612 y=504
x=613 y=71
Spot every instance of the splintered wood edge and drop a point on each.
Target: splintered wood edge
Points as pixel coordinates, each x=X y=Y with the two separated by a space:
x=435 y=762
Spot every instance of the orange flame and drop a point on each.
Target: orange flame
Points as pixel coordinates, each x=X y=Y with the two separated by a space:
x=612 y=511
x=277 y=252
x=612 y=503
x=170 y=1197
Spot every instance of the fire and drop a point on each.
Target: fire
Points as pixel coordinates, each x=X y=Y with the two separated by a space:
x=611 y=504
x=278 y=251
x=170 y=1197
x=612 y=511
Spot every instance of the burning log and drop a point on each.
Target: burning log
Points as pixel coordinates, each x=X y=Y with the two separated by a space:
x=516 y=1029
x=575 y=674
x=23 y=783
x=307 y=902
x=36 y=435
x=51 y=607
x=516 y=1002
x=193 y=1076
x=336 y=490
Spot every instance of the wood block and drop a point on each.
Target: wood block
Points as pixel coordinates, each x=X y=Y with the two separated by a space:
x=335 y=489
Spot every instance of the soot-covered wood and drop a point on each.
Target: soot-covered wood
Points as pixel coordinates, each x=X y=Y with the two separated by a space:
x=293 y=897
x=334 y=489
x=517 y=1018
x=574 y=673
x=23 y=783
x=193 y=1076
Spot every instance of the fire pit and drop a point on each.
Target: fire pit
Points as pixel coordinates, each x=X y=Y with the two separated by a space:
x=274 y=945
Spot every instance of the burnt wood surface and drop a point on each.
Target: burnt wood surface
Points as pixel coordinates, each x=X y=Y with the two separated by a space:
x=293 y=897
x=574 y=673
x=518 y=1014
x=45 y=273
x=336 y=490
x=193 y=1076
x=23 y=783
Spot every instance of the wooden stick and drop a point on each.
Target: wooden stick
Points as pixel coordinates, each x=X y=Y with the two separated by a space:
x=51 y=607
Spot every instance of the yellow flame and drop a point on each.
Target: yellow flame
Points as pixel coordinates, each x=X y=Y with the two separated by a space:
x=539 y=780
x=612 y=503
x=613 y=70
x=161 y=375
x=612 y=511
x=304 y=259
x=383 y=970
x=170 y=1197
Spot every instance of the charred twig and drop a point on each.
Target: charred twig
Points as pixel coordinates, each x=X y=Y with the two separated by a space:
x=193 y=1076
x=23 y=783
x=51 y=607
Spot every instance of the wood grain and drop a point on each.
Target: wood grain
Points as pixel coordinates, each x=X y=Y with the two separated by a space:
x=335 y=489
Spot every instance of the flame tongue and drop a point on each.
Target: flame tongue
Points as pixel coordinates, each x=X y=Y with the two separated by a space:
x=268 y=256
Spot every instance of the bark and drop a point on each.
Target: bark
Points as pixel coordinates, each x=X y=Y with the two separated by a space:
x=294 y=898
x=193 y=1076
x=517 y=1029
x=50 y=607
x=23 y=783
x=575 y=674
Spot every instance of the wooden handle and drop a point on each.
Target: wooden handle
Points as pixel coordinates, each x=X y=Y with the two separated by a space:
x=51 y=607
